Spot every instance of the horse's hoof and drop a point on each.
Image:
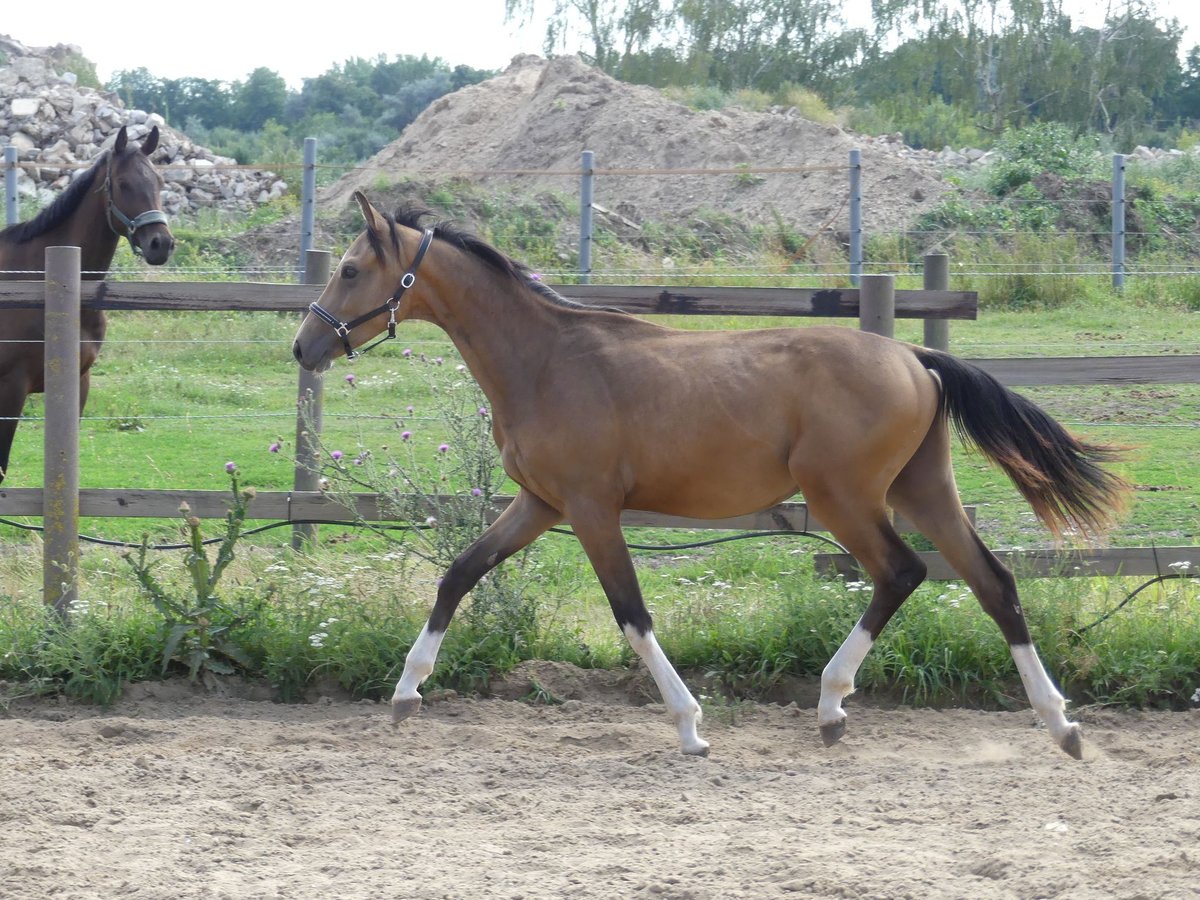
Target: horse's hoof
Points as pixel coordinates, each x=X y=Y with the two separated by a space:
x=405 y=708
x=700 y=748
x=1072 y=742
x=832 y=733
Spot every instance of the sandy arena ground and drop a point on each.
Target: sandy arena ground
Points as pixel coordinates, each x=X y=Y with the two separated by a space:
x=172 y=794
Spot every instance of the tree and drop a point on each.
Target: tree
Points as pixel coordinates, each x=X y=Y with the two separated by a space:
x=260 y=99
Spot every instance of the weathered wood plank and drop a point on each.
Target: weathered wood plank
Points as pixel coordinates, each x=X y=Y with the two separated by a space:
x=1162 y=369
x=205 y=296
x=1134 y=561
x=299 y=505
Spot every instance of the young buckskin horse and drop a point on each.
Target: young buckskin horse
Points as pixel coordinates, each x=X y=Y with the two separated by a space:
x=118 y=196
x=597 y=411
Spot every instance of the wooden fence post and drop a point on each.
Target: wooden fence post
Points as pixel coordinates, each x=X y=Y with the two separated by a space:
x=60 y=511
x=877 y=305
x=937 y=278
x=309 y=411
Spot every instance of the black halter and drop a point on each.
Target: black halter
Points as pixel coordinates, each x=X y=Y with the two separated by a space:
x=149 y=217
x=343 y=329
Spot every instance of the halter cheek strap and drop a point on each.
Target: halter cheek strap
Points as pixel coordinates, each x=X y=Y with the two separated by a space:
x=343 y=329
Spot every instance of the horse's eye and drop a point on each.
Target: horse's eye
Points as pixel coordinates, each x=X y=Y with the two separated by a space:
x=349 y=271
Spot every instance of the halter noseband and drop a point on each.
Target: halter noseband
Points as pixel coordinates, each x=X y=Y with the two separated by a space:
x=343 y=329
x=149 y=217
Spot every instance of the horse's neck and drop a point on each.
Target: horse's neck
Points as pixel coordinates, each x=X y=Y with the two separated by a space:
x=502 y=331
x=89 y=230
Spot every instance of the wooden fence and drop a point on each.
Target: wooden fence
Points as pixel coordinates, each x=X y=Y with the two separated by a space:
x=876 y=304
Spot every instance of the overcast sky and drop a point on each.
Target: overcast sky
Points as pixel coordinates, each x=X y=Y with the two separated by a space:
x=193 y=41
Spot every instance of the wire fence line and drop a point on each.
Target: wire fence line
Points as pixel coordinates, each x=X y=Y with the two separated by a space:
x=845 y=227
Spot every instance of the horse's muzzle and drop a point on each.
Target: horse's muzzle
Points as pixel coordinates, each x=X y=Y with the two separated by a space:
x=158 y=249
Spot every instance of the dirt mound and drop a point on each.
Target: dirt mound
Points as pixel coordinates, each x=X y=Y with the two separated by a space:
x=529 y=125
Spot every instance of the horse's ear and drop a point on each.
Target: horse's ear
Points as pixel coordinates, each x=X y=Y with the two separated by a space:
x=122 y=140
x=375 y=220
x=151 y=141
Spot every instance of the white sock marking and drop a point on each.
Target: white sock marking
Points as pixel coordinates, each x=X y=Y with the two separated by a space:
x=1044 y=697
x=837 y=681
x=418 y=665
x=681 y=705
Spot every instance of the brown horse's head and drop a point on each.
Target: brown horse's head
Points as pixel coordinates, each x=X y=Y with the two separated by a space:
x=133 y=193
x=354 y=307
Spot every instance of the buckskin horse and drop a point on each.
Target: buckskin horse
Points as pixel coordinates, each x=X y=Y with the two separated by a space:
x=118 y=196
x=597 y=411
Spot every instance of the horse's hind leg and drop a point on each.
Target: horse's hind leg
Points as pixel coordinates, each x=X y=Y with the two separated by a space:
x=925 y=493
x=599 y=532
x=895 y=571
x=526 y=518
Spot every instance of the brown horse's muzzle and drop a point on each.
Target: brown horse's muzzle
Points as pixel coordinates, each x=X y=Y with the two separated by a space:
x=156 y=244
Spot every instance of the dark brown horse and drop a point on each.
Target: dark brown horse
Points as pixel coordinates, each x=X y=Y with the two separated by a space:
x=595 y=412
x=119 y=196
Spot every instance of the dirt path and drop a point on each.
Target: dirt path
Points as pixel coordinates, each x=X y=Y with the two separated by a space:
x=169 y=796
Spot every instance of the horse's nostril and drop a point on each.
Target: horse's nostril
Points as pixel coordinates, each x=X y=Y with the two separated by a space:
x=296 y=350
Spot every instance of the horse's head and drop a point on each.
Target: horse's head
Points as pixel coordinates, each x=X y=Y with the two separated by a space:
x=366 y=293
x=133 y=191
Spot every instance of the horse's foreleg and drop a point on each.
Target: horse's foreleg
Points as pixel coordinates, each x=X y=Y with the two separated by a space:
x=524 y=520
x=600 y=534
x=13 y=392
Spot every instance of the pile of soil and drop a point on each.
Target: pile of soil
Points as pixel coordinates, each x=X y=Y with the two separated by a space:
x=524 y=130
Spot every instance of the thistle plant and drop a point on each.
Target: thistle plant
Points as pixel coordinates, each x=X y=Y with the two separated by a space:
x=196 y=629
x=439 y=474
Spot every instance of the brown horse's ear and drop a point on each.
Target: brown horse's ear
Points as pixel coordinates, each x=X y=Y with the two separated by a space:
x=122 y=140
x=151 y=141
x=375 y=220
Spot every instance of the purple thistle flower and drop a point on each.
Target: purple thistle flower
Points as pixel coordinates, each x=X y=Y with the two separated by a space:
x=350 y=379
x=231 y=467
x=406 y=352
x=534 y=276
x=483 y=411
x=442 y=448
x=336 y=454
x=405 y=435
x=274 y=448
x=410 y=409
x=476 y=492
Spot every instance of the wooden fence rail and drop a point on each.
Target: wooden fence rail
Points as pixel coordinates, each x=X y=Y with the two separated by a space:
x=203 y=296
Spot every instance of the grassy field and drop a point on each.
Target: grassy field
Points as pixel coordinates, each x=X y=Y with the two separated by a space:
x=177 y=396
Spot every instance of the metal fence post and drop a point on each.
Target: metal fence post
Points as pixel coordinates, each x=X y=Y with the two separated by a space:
x=937 y=278
x=856 y=236
x=309 y=413
x=11 y=211
x=586 y=196
x=60 y=498
x=308 y=204
x=1118 y=221
x=877 y=305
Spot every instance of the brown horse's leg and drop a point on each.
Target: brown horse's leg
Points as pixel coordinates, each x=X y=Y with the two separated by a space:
x=862 y=526
x=13 y=392
x=599 y=531
x=926 y=494
x=526 y=518
x=85 y=385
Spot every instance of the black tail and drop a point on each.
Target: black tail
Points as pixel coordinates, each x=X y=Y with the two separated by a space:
x=1056 y=472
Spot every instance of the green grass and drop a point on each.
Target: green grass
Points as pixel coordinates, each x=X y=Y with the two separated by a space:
x=176 y=396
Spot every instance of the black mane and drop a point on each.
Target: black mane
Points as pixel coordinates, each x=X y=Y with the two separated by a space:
x=61 y=209
x=412 y=215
